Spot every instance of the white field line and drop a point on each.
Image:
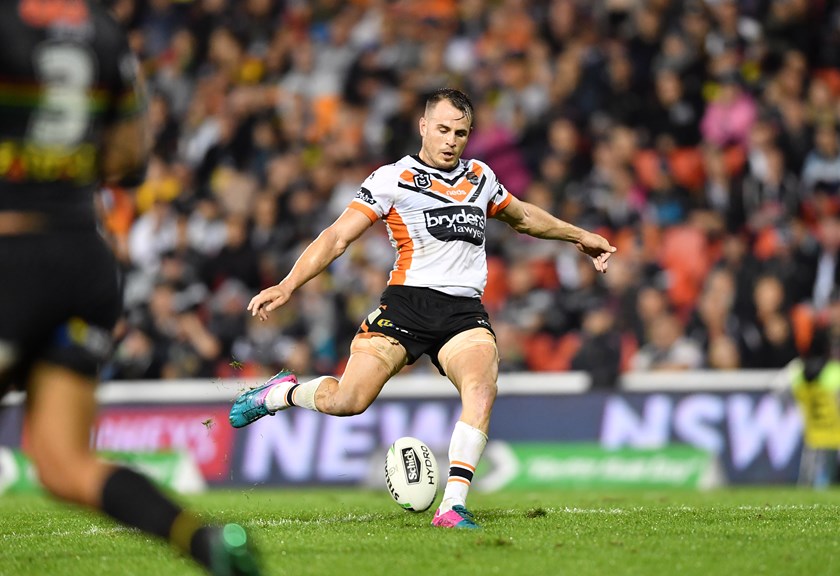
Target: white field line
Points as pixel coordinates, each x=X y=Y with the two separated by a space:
x=92 y=531
x=95 y=530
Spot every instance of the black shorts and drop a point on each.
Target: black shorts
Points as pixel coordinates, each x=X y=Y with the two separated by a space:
x=423 y=320
x=59 y=301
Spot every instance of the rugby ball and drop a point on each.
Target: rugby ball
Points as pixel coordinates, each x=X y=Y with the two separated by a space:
x=411 y=474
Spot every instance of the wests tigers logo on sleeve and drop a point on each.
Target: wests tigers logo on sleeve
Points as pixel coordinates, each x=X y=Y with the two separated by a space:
x=465 y=223
x=365 y=196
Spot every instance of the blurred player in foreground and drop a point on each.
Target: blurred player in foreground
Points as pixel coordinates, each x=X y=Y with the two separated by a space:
x=71 y=116
x=435 y=206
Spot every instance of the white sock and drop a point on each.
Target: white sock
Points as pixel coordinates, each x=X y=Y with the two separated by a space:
x=302 y=395
x=465 y=449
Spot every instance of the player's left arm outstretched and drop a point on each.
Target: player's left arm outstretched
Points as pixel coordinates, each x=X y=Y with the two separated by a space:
x=534 y=221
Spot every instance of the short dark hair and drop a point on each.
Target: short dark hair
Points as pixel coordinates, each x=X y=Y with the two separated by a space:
x=455 y=97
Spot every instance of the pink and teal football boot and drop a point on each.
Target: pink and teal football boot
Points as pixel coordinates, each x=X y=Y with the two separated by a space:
x=457 y=517
x=250 y=405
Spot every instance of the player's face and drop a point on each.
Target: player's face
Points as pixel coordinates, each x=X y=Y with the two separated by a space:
x=444 y=131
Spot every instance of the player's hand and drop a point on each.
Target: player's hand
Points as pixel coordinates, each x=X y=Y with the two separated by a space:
x=268 y=300
x=596 y=247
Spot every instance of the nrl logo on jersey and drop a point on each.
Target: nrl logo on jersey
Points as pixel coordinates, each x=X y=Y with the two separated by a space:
x=422 y=180
x=472 y=178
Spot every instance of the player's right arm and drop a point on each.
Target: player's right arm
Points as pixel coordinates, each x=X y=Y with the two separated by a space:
x=328 y=246
x=125 y=150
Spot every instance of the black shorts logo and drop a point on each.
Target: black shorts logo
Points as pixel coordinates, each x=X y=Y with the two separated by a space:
x=422 y=181
x=465 y=223
x=412 y=470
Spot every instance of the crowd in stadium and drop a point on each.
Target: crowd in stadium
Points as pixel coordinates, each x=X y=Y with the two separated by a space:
x=700 y=137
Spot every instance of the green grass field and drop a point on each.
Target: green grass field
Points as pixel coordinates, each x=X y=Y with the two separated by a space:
x=360 y=532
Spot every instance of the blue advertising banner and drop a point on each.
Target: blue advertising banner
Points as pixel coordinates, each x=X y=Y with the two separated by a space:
x=756 y=436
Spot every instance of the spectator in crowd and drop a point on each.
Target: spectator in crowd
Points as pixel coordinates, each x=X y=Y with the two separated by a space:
x=821 y=171
x=770 y=198
x=768 y=336
x=729 y=117
x=822 y=269
x=622 y=103
x=721 y=191
x=671 y=118
x=667 y=348
x=723 y=354
x=599 y=354
x=714 y=318
x=235 y=260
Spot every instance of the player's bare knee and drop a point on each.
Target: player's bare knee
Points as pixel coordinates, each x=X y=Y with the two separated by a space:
x=477 y=339
x=55 y=483
x=387 y=349
x=62 y=474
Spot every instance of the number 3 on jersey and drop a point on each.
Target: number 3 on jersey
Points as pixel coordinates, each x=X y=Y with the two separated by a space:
x=62 y=118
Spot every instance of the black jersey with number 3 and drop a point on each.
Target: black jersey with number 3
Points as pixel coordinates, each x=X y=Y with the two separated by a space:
x=66 y=73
